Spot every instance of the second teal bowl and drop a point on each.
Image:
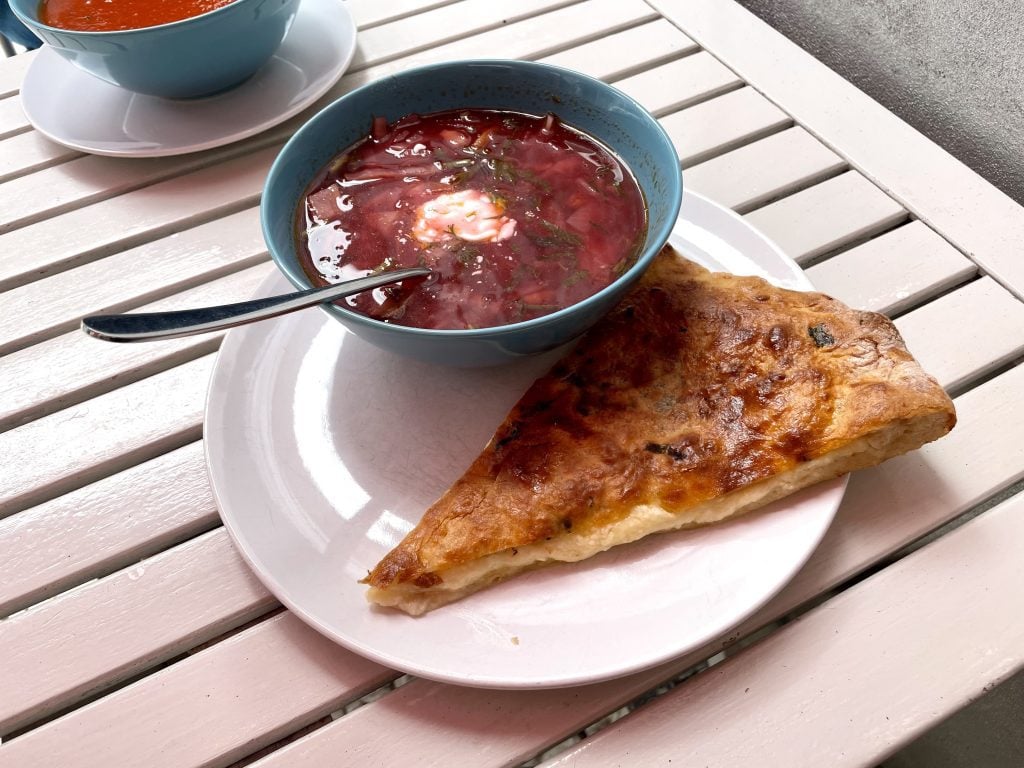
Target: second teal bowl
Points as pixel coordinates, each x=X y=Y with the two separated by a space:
x=193 y=57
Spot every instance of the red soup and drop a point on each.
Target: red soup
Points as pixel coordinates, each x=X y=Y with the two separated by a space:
x=518 y=216
x=111 y=15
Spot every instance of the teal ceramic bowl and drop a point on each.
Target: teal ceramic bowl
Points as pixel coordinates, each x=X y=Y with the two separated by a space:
x=193 y=57
x=580 y=101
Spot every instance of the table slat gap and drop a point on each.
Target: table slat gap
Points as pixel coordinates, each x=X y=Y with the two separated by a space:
x=895 y=271
x=525 y=722
x=845 y=210
x=722 y=125
x=533 y=38
x=780 y=165
x=409 y=36
x=656 y=43
x=135 y=678
x=12 y=117
x=982 y=325
x=230 y=700
x=153 y=610
x=363 y=11
x=165 y=410
x=622 y=54
x=86 y=534
x=873 y=613
x=90 y=179
x=91 y=367
x=31 y=152
x=131 y=278
x=13 y=72
x=680 y=84
x=980 y=220
x=826 y=174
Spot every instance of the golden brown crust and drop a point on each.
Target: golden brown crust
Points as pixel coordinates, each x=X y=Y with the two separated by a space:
x=696 y=385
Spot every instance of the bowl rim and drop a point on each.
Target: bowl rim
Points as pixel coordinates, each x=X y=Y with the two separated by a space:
x=33 y=21
x=648 y=253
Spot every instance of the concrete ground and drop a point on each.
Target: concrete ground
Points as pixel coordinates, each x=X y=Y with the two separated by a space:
x=954 y=69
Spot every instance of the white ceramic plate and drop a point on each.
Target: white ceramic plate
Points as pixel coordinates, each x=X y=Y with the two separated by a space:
x=83 y=112
x=323 y=452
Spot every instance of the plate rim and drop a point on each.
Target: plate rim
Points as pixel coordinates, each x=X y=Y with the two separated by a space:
x=838 y=487
x=348 y=45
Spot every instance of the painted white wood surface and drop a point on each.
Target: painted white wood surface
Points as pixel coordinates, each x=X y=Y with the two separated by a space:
x=97 y=178
x=28 y=152
x=13 y=72
x=444 y=723
x=84 y=442
x=680 y=83
x=884 y=509
x=87 y=639
x=131 y=277
x=12 y=117
x=106 y=525
x=983 y=328
x=371 y=13
x=85 y=234
x=827 y=216
x=932 y=184
x=716 y=126
x=442 y=25
x=229 y=700
x=893 y=271
x=615 y=56
x=764 y=170
x=860 y=655
x=278 y=677
x=89 y=367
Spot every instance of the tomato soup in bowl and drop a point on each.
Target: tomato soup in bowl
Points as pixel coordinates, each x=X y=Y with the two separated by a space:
x=171 y=49
x=536 y=195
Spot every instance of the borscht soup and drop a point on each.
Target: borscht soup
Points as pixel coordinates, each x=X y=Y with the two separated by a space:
x=517 y=215
x=113 y=15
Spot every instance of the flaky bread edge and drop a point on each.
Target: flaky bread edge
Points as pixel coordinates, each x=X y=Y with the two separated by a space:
x=869 y=450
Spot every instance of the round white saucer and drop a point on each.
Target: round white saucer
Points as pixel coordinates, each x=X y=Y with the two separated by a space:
x=83 y=112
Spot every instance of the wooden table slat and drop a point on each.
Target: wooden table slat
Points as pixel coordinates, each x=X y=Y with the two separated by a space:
x=99 y=178
x=860 y=654
x=372 y=13
x=827 y=216
x=30 y=152
x=210 y=709
x=93 y=637
x=619 y=54
x=110 y=432
x=12 y=117
x=90 y=367
x=453 y=728
x=680 y=83
x=97 y=230
x=531 y=38
x=131 y=277
x=983 y=326
x=894 y=271
x=103 y=526
x=722 y=124
x=765 y=170
x=934 y=186
x=442 y=25
x=13 y=72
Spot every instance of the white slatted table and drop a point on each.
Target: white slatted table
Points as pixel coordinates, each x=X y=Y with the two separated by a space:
x=196 y=665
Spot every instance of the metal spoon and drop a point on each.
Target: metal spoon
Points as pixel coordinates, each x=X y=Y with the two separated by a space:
x=148 y=326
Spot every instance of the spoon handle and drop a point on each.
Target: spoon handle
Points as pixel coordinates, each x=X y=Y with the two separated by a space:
x=148 y=326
